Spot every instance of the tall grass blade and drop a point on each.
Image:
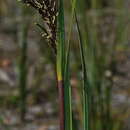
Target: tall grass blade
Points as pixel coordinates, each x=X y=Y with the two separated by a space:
x=85 y=92
x=60 y=63
x=23 y=64
x=68 y=97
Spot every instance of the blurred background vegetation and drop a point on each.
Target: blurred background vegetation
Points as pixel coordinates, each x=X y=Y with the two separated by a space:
x=108 y=67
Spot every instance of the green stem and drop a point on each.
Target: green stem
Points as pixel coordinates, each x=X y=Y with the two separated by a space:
x=85 y=92
x=23 y=66
x=60 y=64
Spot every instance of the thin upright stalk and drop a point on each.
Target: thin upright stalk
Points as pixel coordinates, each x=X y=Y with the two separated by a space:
x=85 y=92
x=23 y=65
x=61 y=105
x=68 y=89
x=60 y=64
x=63 y=75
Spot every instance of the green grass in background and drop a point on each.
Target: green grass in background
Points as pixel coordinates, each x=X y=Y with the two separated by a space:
x=23 y=68
x=96 y=87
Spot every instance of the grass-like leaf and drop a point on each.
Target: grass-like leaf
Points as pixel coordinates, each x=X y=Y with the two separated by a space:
x=68 y=97
x=85 y=88
x=23 y=64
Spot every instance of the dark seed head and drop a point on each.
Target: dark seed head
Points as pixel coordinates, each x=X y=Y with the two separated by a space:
x=48 y=10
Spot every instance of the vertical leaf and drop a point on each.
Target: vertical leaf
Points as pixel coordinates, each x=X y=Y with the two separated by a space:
x=23 y=64
x=60 y=63
x=85 y=90
x=68 y=97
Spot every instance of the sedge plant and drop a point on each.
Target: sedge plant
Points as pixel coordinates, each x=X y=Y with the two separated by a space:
x=52 y=12
x=23 y=68
x=96 y=97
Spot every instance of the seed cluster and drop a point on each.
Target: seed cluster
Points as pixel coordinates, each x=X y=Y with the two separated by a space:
x=48 y=10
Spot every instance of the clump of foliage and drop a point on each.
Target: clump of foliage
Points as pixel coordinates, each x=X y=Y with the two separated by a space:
x=53 y=24
x=96 y=94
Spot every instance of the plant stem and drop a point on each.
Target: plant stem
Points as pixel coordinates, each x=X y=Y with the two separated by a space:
x=85 y=92
x=60 y=64
x=23 y=66
x=61 y=101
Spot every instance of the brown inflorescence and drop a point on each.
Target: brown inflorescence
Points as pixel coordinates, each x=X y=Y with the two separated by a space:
x=49 y=12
